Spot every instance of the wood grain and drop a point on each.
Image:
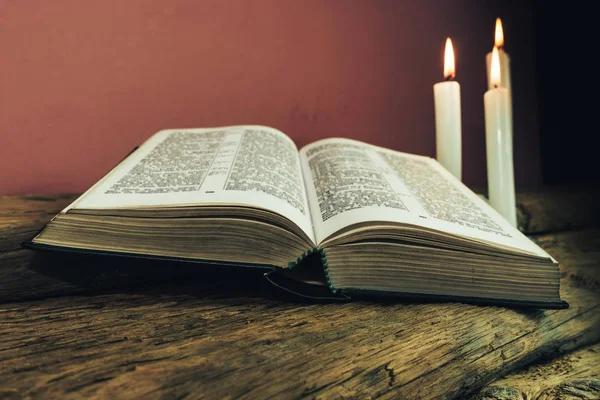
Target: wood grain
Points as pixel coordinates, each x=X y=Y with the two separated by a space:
x=161 y=344
x=22 y=216
x=210 y=339
x=104 y=328
x=575 y=375
x=557 y=209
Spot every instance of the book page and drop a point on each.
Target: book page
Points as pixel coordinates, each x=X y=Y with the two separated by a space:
x=350 y=182
x=252 y=166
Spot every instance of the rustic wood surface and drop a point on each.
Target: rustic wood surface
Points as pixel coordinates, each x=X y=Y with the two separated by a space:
x=78 y=326
x=573 y=376
x=555 y=209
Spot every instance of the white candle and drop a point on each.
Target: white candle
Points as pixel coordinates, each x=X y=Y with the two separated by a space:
x=448 y=117
x=498 y=139
x=504 y=59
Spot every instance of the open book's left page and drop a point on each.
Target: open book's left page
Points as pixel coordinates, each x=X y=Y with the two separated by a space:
x=254 y=166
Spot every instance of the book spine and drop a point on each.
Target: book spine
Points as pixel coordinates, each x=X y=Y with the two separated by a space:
x=293 y=264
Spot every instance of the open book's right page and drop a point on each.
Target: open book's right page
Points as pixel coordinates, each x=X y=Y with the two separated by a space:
x=350 y=182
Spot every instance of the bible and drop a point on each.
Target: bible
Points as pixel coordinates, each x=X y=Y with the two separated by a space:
x=380 y=222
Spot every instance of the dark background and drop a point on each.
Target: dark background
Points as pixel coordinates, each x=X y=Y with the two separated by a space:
x=565 y=52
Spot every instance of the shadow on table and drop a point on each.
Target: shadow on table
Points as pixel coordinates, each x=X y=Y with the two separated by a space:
x=72 y=273
x=63 y=273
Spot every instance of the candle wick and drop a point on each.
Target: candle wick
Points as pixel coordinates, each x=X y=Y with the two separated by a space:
x=449 y=78
x=495 y=86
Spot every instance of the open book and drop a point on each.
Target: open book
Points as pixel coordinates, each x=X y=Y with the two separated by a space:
x=381 y=221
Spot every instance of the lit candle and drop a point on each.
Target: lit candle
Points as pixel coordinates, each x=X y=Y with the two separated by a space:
x=504 y=65
x=503 y=57
x=498 y=140
x=447 y=116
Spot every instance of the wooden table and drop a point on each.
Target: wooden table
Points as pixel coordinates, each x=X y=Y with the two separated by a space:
x=76 y=326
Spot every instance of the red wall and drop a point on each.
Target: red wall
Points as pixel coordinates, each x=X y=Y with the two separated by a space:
x=82 y=82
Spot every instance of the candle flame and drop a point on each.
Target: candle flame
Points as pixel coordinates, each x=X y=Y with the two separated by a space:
x=449 y=68
x=495 y=68
x=499 y=34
